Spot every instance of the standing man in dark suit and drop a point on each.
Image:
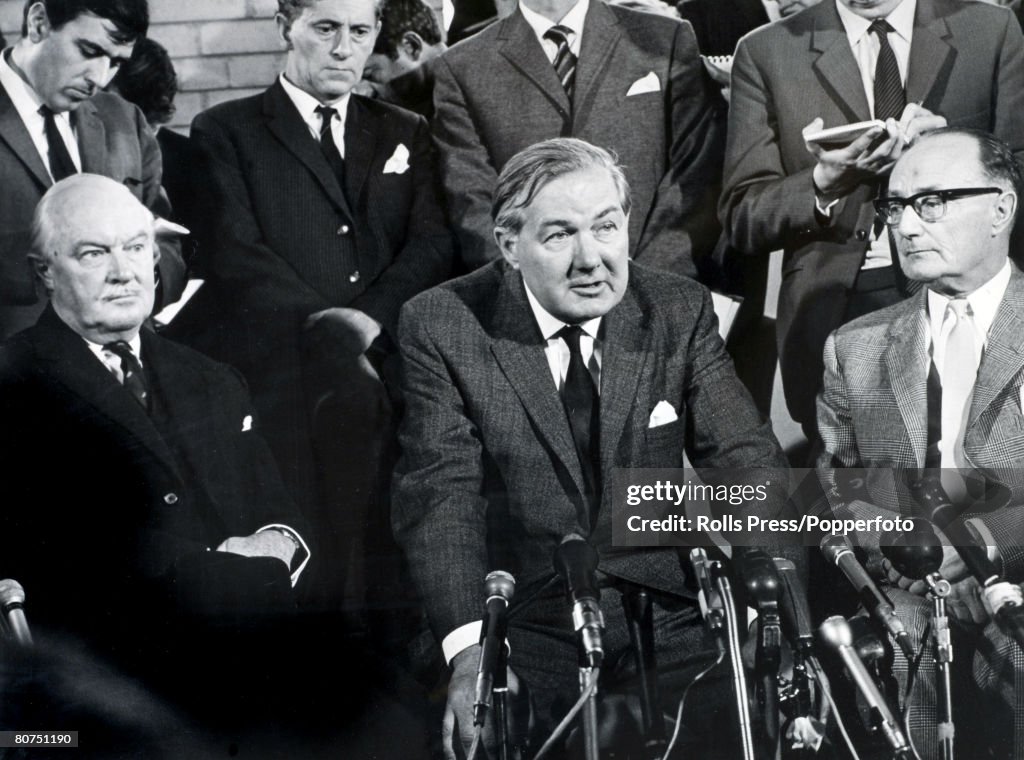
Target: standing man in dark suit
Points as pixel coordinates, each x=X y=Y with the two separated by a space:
x=936 y=382
x=55 y=121
x=148 y=503
x=838 y=63
x=323 y=219
x=628 y=81
x=527 y=382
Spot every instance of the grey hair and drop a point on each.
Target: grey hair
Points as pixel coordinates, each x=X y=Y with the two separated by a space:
x=531 y=169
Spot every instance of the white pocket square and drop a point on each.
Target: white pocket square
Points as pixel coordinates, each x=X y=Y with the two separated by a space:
x=648 y=83
x=247 y=423
x=1022 y=399
x=663 y=414
x=399 y=161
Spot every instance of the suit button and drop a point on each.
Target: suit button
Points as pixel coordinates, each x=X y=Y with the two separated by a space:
x=170 y=498
x=354 y=277
x=343 y=229
x=862 y=234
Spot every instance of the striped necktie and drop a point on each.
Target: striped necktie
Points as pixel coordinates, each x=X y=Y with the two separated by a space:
x=565 y=59
x=132 y=377
x=890 y=98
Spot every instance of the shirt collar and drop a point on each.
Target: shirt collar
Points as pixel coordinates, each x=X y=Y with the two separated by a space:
x=549 y=325
x=24 y=97
x=135 y=343
x=984 y=302
x=573 y=19
x=901 y=19
x=306 y=104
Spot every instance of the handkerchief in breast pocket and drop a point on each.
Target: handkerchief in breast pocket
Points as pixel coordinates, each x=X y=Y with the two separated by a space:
x=663 y=414
x=648 y=83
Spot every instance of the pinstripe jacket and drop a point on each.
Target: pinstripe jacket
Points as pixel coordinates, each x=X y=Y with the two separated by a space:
x=873 y=411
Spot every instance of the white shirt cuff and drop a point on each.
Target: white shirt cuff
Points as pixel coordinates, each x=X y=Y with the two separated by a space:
x=826 y=210
x=302 y=542
x=461 y=638
x=984 y=536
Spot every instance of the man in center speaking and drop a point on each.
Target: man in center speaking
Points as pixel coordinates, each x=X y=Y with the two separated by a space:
x=527 y=382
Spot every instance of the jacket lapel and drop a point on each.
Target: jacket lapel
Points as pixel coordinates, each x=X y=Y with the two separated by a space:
x=836 y=63
x=519 y=45
x=1004 y=352
x=600 y=36
x=285 y=123
x=929 y=51
x=70 y=361
x=626 y=346
x=14 y=133
x=92 y=139
x=519 y=349
x=907 y=360
x=360 y=148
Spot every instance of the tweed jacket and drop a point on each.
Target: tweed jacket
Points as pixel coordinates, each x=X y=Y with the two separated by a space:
x=489 y=477
x=873 y=410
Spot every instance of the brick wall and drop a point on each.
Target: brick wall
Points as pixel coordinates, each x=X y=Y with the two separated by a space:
x=222 y=49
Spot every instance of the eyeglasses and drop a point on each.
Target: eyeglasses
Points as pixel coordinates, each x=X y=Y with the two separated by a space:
x=929 y=205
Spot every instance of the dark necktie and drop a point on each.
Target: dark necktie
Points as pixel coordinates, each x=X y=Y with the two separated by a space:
x=327 y=145
x=579 y=396
x=565 y=59
x=890 y=98
x=61 y=165
x=131 y=371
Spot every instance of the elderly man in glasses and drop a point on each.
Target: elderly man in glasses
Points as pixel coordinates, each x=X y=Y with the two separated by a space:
x=936 y=382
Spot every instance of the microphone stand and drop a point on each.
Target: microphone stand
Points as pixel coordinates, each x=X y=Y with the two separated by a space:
x=732 y=631
x=637 y=604
x=938 y=590
x=591 y=750
x=500 y=692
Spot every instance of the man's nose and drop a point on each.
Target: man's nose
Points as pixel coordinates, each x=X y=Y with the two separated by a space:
x=97 y=73
x=120 y=268
x=587 y=253
x=910 y=223
x=343 y=45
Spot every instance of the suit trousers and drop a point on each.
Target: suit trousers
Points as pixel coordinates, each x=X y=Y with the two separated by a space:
x=544 y=656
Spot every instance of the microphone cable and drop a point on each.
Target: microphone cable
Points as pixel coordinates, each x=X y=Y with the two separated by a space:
x=569 y=716
x=826 y=689
x=682 y=702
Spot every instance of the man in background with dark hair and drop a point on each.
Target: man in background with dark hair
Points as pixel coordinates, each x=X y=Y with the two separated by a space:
x=56 y=121
x=410 y=37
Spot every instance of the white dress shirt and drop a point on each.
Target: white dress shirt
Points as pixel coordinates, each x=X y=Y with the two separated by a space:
x=27 y=103
x=572 y=20
x=865 y=47
x=557 y=353
x=306 y=105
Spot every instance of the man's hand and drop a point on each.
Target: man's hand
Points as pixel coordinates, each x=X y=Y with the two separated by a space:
x=457 y=729
x=952 y=569
x=917 y=120
x=789 y=7
x=342 y=330
x=266 y=543
x=839 y=170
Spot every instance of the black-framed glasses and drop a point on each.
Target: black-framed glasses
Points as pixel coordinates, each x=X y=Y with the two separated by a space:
x=929 y=205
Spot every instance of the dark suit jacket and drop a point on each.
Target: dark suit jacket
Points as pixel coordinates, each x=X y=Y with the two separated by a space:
x=966 y=64
x=873 y=411
x=719 y=24
x=108 y=516
x=496 y=94
x=115 y=141
x=489 y=476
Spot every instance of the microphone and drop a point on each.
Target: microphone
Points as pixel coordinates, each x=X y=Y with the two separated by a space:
x=917 y=553
x=499 y=588
x=835 y=632
x=12 y=600
x=576 y=563
x=796 y=613
x=838 y=551
x=714 y=615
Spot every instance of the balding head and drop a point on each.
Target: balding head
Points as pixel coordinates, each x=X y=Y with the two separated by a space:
x=93 y=248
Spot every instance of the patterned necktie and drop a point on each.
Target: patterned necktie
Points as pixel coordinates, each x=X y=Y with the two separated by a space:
x=565 y=59
x=61 y=165
x=890 y=98
x=132 y=377
x=327 y=144
x=579 y=396
x=959 y=372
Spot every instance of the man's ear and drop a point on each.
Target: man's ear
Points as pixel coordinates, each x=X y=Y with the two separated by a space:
x=412 y=44
x=284 y=29
x=506 y=240
x=37 y=22
x=1003 y=211
x=41 y=266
